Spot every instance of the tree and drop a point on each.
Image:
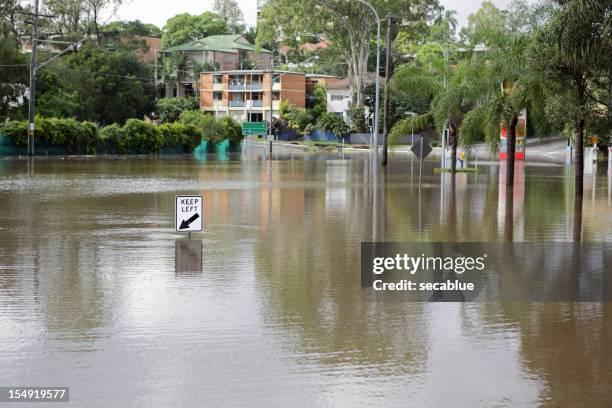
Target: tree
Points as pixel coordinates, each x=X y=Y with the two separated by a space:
x=135 y=27
x=110 y=86
x=170 y=109
x=230 y=13
x=452 y=100
x=509 y=86
x=348 y=25
x=572 y=52
x=94 y=8
x=54 y=96
x=69 y=15
x=185 y=27
x=13 y=76
x=12 y=21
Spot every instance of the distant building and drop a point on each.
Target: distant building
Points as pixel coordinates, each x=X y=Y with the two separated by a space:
x=314 y=47
x=339 y=98
x=324 y=81
x=245 y=94
x=148 y=52
x=339 y=95
x=216 y=52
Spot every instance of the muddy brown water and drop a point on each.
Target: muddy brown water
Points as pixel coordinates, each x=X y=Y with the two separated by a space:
x=91 y=295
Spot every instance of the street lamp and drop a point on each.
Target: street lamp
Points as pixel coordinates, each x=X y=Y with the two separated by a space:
x=377 y=75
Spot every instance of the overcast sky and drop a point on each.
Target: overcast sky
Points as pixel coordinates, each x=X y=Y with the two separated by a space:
x=158 y=11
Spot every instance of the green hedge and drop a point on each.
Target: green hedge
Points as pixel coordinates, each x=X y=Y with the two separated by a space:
x=187 y=136
x=75 y=137
x=135 y=137
x=211 y=129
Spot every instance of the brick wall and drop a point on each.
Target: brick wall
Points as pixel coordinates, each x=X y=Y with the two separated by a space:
x=293 y=89
x=206 y=91
x=226 y=60
x=262 y=59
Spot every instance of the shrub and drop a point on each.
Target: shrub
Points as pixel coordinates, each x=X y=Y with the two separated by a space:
x=141 y=137
x=170 y=109
x=357 y=118
x=210 y=129
x=186 y=135
x=111 y=139
x=17 y=131
x=75 y=137
x=335 y=124
x=231 y=129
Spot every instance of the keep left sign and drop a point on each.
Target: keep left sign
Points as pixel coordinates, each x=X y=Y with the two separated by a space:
x=189 y=213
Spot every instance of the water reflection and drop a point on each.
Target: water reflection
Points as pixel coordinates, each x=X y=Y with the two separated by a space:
x=90 y=294
x=187 y=257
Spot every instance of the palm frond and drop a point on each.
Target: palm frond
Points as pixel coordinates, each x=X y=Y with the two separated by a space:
x=409 y=125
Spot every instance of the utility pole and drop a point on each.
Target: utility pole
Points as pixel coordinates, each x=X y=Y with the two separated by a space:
x=375 y=135
x=386 y=101
x=31 y=105
x=270 y=134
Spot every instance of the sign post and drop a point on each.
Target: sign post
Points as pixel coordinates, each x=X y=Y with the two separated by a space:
x=189 y=214
x=255 y=128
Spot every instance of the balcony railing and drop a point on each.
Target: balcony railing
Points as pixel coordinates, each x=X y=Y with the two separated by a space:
x=236 y=87
x=236 y=104
x=255 y=86
x=256 y=103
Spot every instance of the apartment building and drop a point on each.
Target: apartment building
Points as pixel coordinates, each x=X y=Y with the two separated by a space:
x=220 y=52
x=245 y=95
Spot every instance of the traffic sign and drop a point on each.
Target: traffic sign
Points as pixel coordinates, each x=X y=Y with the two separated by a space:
x=189 y=213
x=421 y=148
x=255 y=128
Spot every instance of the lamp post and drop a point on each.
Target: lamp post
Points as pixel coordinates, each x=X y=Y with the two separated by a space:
x=377 y=76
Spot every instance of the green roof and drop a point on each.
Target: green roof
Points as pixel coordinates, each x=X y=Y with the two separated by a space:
x=224 y=43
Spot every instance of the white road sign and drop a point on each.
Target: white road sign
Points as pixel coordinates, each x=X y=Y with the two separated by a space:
x=189 y=213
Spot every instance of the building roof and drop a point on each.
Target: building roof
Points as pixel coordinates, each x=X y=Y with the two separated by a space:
x=223 y=43
x=312 y=47
x=250 y=71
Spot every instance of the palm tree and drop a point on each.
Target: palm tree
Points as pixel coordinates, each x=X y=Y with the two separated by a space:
x=173 y=71
x=509 y=86
x=573 y=53
x=449 y=104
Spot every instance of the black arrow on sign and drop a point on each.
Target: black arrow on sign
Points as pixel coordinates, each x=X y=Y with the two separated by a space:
x=187 y=222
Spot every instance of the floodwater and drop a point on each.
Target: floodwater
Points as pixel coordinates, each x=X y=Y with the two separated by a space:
x=93 y=294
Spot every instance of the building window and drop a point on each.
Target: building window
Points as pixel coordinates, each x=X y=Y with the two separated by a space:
x=217 y=79
x=229 y=57
x=276 y=78
x=276 y=96
x=337 y=98
x=217 y=96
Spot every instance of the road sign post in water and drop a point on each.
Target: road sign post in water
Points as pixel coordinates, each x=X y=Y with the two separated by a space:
x=255 y=128
x=189 y=213
x=421 y=148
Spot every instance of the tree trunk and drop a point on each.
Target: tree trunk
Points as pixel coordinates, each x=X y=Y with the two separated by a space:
x=96 y=28
x=579 y=140
x=577 y=228
x=453 y=140
x=511 y=137
x=386 y=102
